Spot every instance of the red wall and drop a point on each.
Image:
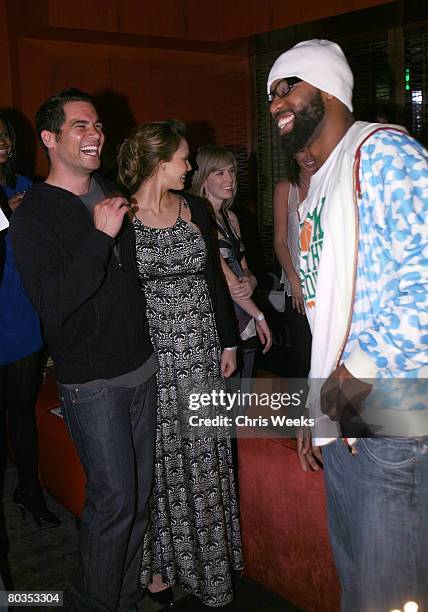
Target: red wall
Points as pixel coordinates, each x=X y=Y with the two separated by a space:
x=186 y=59
x=210 y=92
x=194 y=19
x=5 y=83
x=215 y=20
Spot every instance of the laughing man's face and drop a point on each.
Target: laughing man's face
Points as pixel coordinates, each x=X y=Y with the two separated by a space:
x=297 y=115
x=78 y=146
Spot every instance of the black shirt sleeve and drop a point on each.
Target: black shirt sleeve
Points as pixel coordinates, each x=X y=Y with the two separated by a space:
x=224 y=313
x=58 y=283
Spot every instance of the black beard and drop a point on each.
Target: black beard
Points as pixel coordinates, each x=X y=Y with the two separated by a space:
x=305 y=123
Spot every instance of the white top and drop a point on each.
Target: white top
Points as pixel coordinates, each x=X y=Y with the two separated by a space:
x=320 y=290
x=293 y=226
x=4 y=223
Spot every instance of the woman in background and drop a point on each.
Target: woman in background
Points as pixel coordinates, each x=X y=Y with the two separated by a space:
x=20 y=347
x=194 y=536
x=215 y=180
x=287 y=197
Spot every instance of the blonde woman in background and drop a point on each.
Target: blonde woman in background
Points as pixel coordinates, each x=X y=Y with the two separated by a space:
x=215 y=180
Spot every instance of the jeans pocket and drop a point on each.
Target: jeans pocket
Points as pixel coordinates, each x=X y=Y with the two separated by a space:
x=86 y=396
x=81 y=395
x=389 y=452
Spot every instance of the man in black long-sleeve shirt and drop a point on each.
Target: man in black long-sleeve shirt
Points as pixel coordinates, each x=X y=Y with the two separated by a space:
x=74 y=248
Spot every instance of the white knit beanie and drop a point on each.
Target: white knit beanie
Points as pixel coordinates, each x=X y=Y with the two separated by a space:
x=320 y=63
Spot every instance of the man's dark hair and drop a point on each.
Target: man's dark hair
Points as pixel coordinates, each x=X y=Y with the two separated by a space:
x=51 y=116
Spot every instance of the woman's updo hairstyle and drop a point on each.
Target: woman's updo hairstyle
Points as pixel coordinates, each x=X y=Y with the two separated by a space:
x=148 y=145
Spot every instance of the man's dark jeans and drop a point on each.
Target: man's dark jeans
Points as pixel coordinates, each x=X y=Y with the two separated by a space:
x=377 y=503
x=113 y=429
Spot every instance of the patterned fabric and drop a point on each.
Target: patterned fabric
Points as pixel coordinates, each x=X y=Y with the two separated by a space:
x=390 y=316
x=311 y=242
x=194 y=535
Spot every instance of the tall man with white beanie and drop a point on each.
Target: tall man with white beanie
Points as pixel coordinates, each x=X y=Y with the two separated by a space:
x=364 y=272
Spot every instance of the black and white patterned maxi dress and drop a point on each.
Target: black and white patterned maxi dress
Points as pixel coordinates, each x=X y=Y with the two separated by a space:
x=193 y=538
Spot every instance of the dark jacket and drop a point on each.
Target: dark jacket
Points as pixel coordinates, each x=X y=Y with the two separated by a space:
x=91 y=307
x=219 y=293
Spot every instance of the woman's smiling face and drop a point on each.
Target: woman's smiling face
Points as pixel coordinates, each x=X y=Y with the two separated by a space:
x=306 y=161
x=221 y=184
x=5 y=143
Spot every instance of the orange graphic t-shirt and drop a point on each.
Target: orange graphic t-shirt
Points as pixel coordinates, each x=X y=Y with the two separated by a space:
x=311 y=241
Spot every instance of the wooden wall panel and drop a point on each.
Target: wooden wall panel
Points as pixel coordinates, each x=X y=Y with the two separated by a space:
x=185 y=19
x=86 y=14
x=211 y=93
x=209 y=20
x=6 y=97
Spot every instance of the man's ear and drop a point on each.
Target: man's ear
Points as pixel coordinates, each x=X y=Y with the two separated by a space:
x=48 y=138
x=326 y=96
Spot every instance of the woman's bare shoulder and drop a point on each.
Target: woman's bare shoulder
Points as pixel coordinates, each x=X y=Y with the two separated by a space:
x=282 y=188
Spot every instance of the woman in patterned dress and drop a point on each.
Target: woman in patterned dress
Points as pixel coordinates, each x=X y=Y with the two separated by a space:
x=194 y=535
x=215 y=180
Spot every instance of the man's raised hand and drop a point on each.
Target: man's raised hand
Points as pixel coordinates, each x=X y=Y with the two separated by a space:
x=108 y=215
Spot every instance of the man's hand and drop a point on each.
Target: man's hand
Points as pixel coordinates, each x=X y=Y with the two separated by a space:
x=310 y=457
x=342 y=395
x=108 y=215
x=228 y=362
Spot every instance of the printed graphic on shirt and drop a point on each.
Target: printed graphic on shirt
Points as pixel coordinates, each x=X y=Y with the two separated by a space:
x=311 y=240
x=390 y=311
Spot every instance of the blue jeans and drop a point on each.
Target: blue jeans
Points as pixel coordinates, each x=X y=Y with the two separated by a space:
x=377 y=502
x=113 y=429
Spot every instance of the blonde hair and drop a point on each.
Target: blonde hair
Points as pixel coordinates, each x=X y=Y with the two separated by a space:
x=211 y=158
x=147 y=146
